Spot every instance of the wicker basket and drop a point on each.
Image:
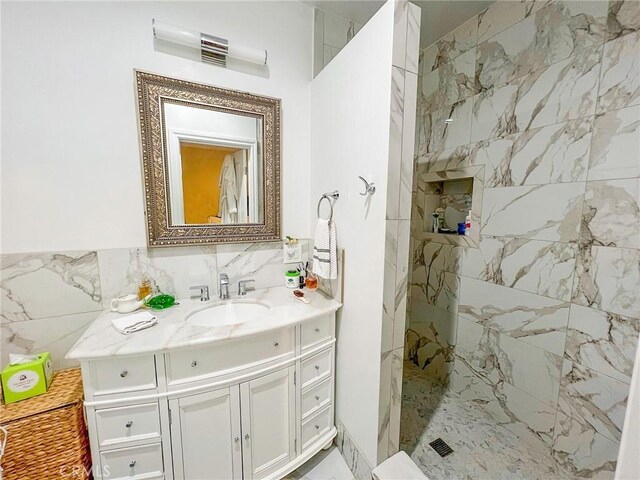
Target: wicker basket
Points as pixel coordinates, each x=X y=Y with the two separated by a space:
x=47 y=436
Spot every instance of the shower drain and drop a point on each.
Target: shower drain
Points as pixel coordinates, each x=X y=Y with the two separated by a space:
x=441 y=447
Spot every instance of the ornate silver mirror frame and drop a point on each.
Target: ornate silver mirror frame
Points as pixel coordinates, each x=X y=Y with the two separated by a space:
x=153 y=91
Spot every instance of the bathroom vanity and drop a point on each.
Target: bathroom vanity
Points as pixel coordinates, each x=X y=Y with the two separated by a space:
x=239 y=389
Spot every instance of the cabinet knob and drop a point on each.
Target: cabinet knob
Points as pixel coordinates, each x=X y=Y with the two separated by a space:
x=246 y=436
x=317 y=367
x=194 y=363
x=275 y=344
x=124 y=373
x=317 y=427
x=129 y=423
x=236 y=439
x=317 y=397
x=132 y=464
x=317 y=330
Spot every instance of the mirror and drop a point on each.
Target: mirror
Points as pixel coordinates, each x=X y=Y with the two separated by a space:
x=211 y=161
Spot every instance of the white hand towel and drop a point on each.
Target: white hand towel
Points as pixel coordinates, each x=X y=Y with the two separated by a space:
x=133 y=323
x=325 y=251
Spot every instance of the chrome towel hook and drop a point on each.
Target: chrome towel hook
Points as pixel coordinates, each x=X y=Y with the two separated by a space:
x=370 y=188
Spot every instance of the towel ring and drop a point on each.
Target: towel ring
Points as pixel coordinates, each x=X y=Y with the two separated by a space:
x=335 y=195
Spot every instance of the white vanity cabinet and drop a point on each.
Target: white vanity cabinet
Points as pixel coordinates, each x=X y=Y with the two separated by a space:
x=254 y=407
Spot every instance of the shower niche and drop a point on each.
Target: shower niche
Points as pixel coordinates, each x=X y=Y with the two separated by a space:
x=452 y=197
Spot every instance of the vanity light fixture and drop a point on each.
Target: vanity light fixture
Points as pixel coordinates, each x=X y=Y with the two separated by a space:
x=213 y=50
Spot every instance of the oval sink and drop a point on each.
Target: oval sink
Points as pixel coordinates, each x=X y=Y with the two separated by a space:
x=227 y=314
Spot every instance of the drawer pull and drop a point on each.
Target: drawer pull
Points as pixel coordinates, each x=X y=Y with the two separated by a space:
x=317 y=427
x=275 y=344
x=236 y=439
x=317 y=397
x=132 y=464
x=194 y=363
x=317 y=367
x=317 y=330
x=129 y=423
x=124 y=373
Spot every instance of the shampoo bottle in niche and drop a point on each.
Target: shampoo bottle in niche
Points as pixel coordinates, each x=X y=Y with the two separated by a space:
x=467 y=226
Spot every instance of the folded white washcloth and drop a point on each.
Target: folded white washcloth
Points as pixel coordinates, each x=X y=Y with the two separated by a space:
x=135 y=322
x=325 y=252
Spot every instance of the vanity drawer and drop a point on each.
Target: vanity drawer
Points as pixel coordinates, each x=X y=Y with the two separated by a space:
x=315 y=332
x=135 y=462
x=128 y=424
x=121 y=375
x=316 y=367
x=315 y=427
x=316 y=398
x=218 y=359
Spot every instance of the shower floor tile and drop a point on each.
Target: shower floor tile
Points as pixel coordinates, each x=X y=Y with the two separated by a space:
x=482 y=449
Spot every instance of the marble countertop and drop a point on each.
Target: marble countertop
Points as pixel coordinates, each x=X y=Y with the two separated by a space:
x=173 y=331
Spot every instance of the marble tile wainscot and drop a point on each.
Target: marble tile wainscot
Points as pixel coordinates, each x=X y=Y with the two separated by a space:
x=49 y=299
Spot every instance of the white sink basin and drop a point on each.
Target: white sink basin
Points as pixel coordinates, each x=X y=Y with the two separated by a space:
x=230 y=313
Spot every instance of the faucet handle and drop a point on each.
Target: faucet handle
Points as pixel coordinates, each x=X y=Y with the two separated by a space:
x=242 y=286
x=204 y=292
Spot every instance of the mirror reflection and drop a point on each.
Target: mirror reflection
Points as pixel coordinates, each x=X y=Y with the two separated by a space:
x=215 y=165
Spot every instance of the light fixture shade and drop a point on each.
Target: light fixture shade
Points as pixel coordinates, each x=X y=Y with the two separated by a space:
x=213 y=49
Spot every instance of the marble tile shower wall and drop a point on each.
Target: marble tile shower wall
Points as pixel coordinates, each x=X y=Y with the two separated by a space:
x=539 y=325
x=49 y=299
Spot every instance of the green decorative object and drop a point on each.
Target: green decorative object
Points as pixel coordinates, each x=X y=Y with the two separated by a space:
x=160 y=302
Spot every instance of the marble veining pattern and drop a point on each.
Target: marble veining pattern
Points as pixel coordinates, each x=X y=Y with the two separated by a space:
x=552 y=211
x=535 y=266
x=55 y=335
x=435 y=134
x=533 y=319
x=40 y=285
x=563 y=91
x=172 y=271
x=483 y=447
x=620 y=75
x=623 y=18
x=504 y=13
x=173 y=330
x=556 y=124
x=607 y=279
x=354 y=458
x=602 y=341
x=506 y=359
x=459 y=41
x=449 y=83
x=611 y=213
x=616 y=145
x=552 y=154
x=594 y=398
x=524 y=47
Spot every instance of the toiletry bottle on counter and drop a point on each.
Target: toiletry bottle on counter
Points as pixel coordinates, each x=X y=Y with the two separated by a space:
x=467 y=226
x=292 y=279
x=144 y=289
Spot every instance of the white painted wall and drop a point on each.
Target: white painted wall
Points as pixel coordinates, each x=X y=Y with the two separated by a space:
x=628 y=467
x=350 y=111
x=71 y=175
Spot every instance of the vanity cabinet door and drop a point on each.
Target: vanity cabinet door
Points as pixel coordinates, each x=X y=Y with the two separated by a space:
x=268 y=423
x=205 y=435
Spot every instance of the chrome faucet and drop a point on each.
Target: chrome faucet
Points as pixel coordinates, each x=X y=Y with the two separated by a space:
x=242 y=286
x=204 y=292
x=223 y=286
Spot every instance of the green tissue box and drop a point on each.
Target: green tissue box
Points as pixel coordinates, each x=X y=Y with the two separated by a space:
x=27 y=379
